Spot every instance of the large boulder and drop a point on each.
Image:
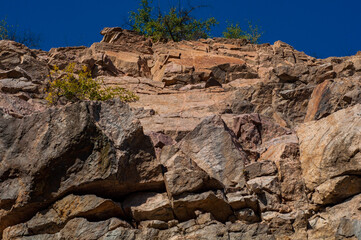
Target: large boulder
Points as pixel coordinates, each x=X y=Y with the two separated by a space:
x=330 y=155
x=84 y=147
x=211 y=147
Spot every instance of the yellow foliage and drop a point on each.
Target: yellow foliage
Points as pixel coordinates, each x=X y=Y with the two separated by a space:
x=81 y=86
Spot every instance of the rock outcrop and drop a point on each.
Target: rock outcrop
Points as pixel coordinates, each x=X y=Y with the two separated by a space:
x=229 y=140
x=331 y=157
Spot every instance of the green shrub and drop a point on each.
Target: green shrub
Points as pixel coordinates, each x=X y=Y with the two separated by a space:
x=178 y=24
x=234 y=31
x=70 y=86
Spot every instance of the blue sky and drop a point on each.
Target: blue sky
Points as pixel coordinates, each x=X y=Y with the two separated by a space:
x=319 y=27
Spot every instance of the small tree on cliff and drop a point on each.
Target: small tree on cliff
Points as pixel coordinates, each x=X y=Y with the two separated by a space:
x=178 y=24
x=234 y=31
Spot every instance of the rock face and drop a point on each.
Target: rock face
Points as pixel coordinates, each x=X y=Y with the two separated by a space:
x=229 y=140
x=210 y=145
x=22 y=75
x=83 y=147
x=331 y=156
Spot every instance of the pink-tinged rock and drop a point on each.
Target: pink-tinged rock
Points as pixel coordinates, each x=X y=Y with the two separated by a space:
x=331 y=148
x=214 y=149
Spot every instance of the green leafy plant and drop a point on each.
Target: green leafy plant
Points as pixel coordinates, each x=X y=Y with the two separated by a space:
x=26 y=37
x=177 y=25
x=234 y=31
x=70 y=86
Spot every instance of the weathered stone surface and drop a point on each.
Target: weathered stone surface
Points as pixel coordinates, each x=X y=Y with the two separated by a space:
x=14 y=55
x=331 y=96
x=160 y=140
x=289 y=73
x=196 y=57
x=80 y=228
x=270 y=202
x=17 y=72
x=330 y=148
x=238 y=201
x=254 y=130
x=184 y=180
x=336 y=189
x=55 y=218
x=213 y=148
x=22 y=79
x=87 y=147
x=185 y=206
x=20 y=105
x=259 y=169
x=140 y=85
x=241 y=230
x=10 y=85
x=204 y=218
x=247 y=215
x=177 y=74
x=157 y=224
x=267 y=183
x=341 y=221
x=125 y=62
x=177 y=113
x=268 y=192
x=128 y=40
x=284 y=152
x=287 y=225
x=96 y=60
x=281 y=226
x=211 y=231
x=290 y=104
x=61 y=57
x=148 y=206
